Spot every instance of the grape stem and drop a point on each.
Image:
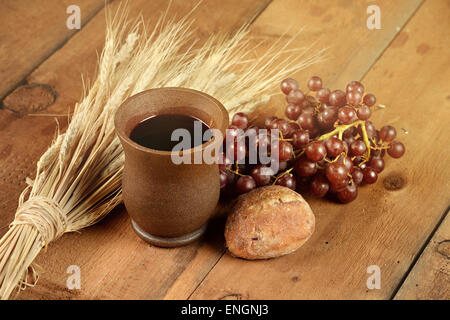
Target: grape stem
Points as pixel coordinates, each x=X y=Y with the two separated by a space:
x=235 y=171
x=383 y=146
x=301 y=152
x=340 y=130
x=282 y=174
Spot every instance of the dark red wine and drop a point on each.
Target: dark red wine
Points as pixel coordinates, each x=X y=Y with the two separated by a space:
x=156 y=132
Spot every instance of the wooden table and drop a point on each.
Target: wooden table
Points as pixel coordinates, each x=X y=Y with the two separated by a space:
x=399 y=224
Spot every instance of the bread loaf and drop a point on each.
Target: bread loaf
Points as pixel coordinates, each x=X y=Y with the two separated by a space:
x=268 y=222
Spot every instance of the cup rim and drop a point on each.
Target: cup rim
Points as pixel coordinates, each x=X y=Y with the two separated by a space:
x=222 y=124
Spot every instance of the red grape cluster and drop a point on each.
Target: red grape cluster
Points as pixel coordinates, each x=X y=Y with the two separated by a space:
x=326 y=141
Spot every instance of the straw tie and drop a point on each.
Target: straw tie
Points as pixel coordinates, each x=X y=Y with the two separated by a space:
x=45 y=215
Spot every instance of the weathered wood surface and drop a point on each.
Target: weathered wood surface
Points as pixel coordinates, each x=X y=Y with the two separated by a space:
x=383 y=227
x=31 y=31
x=430 y=276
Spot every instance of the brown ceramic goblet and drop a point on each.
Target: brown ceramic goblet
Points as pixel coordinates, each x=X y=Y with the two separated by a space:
x=169 y=204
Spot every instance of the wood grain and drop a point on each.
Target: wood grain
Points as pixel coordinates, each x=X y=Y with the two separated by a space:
x=114 y=262
x=390 y=221
x=31 y=31
x=430 y=276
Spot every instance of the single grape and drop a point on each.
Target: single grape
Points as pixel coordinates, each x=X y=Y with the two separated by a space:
x=369 y=99
x=300 y=138
x=240 y=120
x=349 y=193
x=327 y=117
x=340 y=185
x=232 y=177
x=349 y=140
x=314 y=132
x=396 y=149
x=293 y=111
x=377 y=163
x=307 y=109
x=347 y=115
x=355 y=86
x=358 y=148
x=275 y=123
x=370 y=175
x=292 y=127
x=334 y=147
x=357 y=176
x=282 y=125
x=289 y=84
x=347 y=161
x=304 y=167
x=287 y=180
x=350 y=132
x=245 y=184
x=316 y=151
x=315 y=83
x=306 y=121
x=262 y=174
x=354 y=98
x=387 y=133
x=223 y=177
x=286 y=151
x=336 y=172
x=337 y=98
x=363 y=112
x=319 y=185
x=323 y=95
x=295 y=97
x=268 y=121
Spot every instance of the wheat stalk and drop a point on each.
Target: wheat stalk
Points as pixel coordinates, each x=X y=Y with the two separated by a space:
x=78 y=179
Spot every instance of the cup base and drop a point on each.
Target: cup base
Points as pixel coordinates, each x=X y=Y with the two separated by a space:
x=168 y=242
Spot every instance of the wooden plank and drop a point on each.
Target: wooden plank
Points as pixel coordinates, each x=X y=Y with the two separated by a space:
x=31 y=31
x=114 y=262
x=430 y=276
x=390 y=221
x=340 y=28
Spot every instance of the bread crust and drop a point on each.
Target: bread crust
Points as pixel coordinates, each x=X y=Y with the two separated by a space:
x=268 y=222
